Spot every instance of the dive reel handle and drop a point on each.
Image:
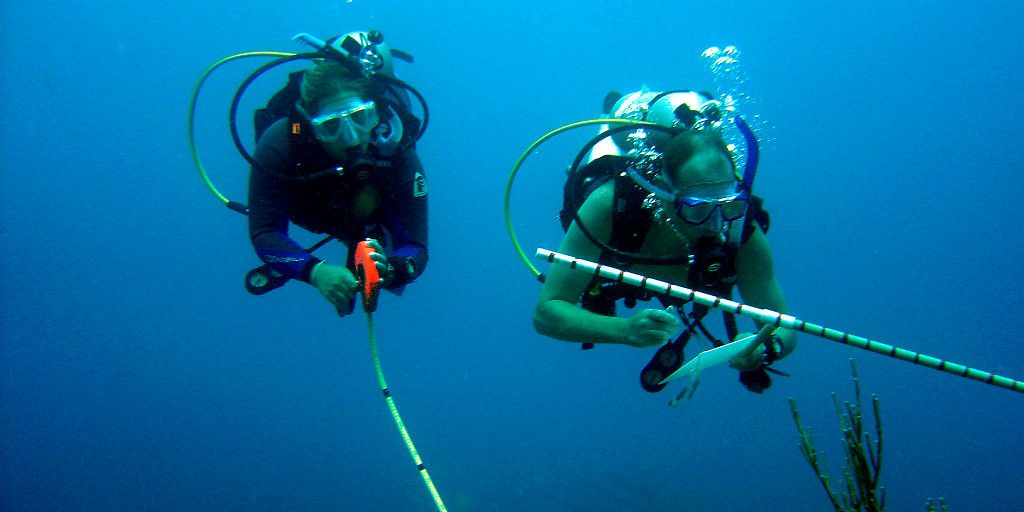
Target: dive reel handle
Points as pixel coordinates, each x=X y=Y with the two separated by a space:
x=366 y=272
x=263 y=279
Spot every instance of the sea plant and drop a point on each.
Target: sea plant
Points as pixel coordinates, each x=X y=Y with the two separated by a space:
x=859 y=490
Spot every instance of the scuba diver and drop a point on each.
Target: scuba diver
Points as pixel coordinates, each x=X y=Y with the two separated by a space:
x=667 y=201
x=336 y=155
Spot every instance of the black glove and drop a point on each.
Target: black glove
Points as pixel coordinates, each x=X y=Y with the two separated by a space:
x=756 y=380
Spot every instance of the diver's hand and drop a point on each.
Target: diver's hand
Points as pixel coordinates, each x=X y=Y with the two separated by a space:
x=384 y=269
x=752 y=358
x=337 y=285
x=649 y=327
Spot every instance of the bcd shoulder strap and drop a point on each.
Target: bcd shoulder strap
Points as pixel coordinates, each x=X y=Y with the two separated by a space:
x=281 y=104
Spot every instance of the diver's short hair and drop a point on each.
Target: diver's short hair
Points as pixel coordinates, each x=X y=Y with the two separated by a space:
x=328 y=79
x=684 y=146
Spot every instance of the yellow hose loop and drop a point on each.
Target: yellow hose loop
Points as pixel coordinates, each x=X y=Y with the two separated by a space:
x=192 y=114
x=522 y=158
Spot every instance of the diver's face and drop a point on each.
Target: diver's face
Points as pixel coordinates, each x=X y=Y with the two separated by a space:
x=707 y=175
x=345 y=121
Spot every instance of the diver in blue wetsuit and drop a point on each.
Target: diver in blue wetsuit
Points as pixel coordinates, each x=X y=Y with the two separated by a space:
x=344 y=164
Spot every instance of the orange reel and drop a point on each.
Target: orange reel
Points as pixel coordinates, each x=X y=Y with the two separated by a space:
x=369 y=278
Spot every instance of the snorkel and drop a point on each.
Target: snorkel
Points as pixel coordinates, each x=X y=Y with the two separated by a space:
x=746 y=184
x=753 y=153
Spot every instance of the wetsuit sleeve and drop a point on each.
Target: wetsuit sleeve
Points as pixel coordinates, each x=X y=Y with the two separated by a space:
x=269 y=207
x=405 y=218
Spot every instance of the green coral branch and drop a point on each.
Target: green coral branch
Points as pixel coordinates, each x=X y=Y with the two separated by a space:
x=863 y=454
x=861 y=492
x=815 y=458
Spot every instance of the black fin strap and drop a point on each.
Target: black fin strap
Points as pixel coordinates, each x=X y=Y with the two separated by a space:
x=730 y=325
x=697 y=315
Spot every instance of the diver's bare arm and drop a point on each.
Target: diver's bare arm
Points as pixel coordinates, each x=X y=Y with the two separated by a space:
x=556 y=314
x=758 y=285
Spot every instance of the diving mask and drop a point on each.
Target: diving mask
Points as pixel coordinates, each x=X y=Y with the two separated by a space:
x=697 y=210
x=693 y=209
x=348 y=122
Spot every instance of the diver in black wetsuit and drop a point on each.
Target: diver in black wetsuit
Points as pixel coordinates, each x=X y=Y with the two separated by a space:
x=344 y=164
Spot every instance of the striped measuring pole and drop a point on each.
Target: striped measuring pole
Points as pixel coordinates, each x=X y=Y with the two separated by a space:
x=778 y=319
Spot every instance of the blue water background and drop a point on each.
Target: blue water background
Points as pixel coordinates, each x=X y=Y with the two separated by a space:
x=137 y=374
